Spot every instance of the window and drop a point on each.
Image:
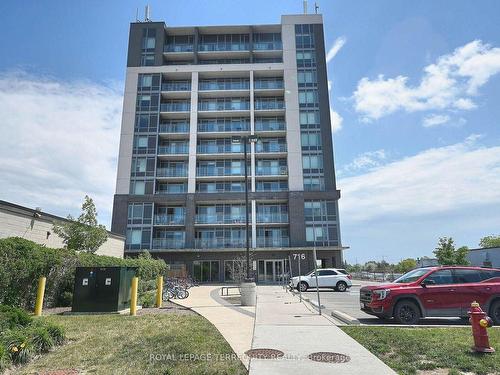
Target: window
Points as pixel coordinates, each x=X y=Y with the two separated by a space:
x=327 y=273
x=314 y=184
x=309 y=119
x=140 y=213
x=312 y=162
x=138 y=238
x=146 y=123
x=311 y=141
x=465 y=276
x=308 y=98
x=440 y=277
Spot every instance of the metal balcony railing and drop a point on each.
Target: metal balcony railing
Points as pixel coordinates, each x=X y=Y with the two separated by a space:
x=180 y=127
x=176 y=86
x=171 y=172
x=268 y=84
x=175 y=107
x=271 y=171
x=166 y=219
x=167 y=243
x=219 y=149
x=219 y=171
x=272 y=218
x=208 y=47
x=273 y=242
x=173 y=149
x=178 y=48
x=220 y=243
x=269 y=126
x=221 y=219
x=268 y=46
x=270 y=147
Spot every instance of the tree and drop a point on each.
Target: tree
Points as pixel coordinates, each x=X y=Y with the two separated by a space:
x=490 y=241
x=406 y=265
x=446 y=253
x=84 y=233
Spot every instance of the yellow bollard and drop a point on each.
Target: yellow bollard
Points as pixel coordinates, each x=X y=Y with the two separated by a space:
x=39 y=296
x=159 y=291
x=133 y=296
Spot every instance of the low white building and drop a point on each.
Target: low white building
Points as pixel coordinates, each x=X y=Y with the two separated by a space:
x=36 y=225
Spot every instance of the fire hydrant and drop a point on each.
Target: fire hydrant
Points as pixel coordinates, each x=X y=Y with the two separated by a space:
x=480 y=321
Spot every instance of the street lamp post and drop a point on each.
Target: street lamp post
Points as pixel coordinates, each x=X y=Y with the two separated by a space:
x=248 y=288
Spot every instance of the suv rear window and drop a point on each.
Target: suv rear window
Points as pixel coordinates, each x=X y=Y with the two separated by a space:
x=465 y=276
x=489 y=274
x=326 y=273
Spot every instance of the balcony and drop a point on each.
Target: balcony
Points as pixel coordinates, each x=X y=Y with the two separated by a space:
x=221 y=219
x=219 y=172
x=230 y=148
x=175 y=107
x=270 y=147
x=269 y=104
x=268 y=46
x=222 y=127
x=272 y=217
x=271 y=171
x=273 y=242
x=270 y=125
x=179 y=149
x=176 y=86
x=223 y=47
x=167 y=243
x=171 y=172
x=174 y=128
x=228 y=84
x=224 y=106
x=268 y=84
x=171 y=188
x=167 y=219
x=214 y=243
x=178 y=48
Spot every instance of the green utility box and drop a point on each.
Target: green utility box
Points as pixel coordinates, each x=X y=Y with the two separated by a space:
x=102 y=289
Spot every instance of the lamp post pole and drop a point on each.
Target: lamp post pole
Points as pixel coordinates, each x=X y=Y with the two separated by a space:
x=245 y=141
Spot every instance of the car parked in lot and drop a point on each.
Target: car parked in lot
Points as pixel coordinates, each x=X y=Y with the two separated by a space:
x=335 y=278
x=445 y=291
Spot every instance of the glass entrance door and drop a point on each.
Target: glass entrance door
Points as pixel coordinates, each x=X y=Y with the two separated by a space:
x=270 y=271
x=206 y=270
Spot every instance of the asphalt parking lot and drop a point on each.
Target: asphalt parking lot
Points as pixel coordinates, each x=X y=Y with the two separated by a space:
x=348 y=303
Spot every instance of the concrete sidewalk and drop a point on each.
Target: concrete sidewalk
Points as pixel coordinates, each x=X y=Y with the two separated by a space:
x=283 y=323
x=235 y=323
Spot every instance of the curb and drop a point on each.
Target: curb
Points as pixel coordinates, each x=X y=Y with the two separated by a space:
x=343 y=317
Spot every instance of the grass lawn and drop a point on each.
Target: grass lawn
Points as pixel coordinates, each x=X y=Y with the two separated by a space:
x=115 y=344
x=407 y=350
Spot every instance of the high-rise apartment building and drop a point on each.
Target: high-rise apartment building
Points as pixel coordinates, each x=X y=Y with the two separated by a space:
x=193 y=96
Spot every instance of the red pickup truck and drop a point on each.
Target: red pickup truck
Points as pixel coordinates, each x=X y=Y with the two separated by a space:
x=445 y=291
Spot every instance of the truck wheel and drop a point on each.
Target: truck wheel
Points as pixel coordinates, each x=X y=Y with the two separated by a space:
x=341 y=286
x=495 y=312
x=407 y=312
x=303 y=286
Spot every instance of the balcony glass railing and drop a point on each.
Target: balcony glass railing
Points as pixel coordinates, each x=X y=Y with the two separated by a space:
x=167 y=243
x=176 y=86
x=267 y=46
x=171 y=188
x=220 y=243
x=269 y=104
x=223 y=106
x=180 y=127
x=219 y=171
x=167 y=219
x=175 y=107
x=273 y=242
x=221 y=219
x=178 y=48
x=173 y=149
x=214 y=127
x=208 y=47
x=270 y=147
x=219 y=149
x=268 y=84
x=171 y=172
x=224 y=85
x=269 y=126
x=271 y=171
x=272 y=217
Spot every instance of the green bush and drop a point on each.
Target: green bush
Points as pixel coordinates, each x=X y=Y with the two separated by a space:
x=40 y=339
x=4 y=358
x=147 y=299
x=56 y=332
x=11 y=317
x=23 y=262
x=18 y=345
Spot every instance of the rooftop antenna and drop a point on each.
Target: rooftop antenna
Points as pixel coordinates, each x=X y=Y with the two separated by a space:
x=316 y=7
x=147 y=16
x=305 y=6
x=136 y=14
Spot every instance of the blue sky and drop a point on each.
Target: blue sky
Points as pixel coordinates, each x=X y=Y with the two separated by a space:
x=415 y=90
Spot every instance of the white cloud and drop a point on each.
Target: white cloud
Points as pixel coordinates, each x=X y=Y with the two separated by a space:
x=336 y=121
x=437 y=180
x=448 y=84
x=59 y=142
x=364 y=161
x=435 y=120
x=335 y=48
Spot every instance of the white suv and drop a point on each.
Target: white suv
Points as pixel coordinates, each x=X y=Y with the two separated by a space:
x=327 y=278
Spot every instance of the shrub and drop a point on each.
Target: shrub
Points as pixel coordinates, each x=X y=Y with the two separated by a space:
x=4 y=358
x=10 y=317
x=23 y=262
x=40 y=339
x=148 y=299
x=18 y=346
x=56 y=332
